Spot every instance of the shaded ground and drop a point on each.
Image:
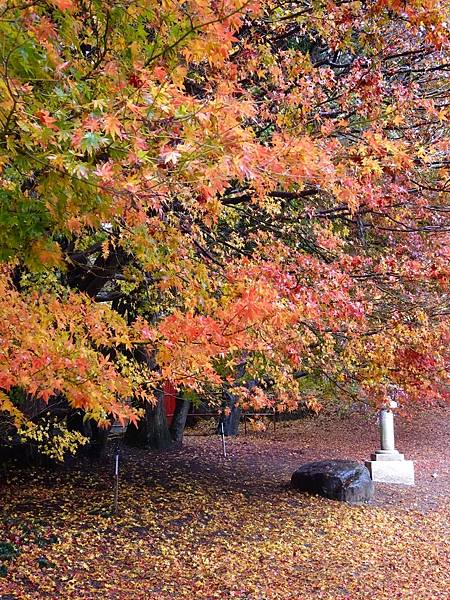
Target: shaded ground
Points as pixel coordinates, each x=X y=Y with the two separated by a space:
x=274 y=455
x=193 y=525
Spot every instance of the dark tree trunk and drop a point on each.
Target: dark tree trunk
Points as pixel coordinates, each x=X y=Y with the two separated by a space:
x=231 y=421
x=179 y=420
x=97 y=436
x=136 y=435
x=97 y=446
x=158 y=435
x=152 y=430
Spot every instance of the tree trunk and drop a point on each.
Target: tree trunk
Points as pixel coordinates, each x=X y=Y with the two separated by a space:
x=97 y=446
x=152 y=430
x=231 y=421
x=158 y=434
x=136 y=435
x=179 y=420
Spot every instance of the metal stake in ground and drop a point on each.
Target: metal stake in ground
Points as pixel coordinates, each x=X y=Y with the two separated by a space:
x=224 y=448
x=116 y=478
x=116 y=435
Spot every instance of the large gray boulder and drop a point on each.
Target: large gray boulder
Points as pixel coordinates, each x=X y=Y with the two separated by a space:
x=345 y=480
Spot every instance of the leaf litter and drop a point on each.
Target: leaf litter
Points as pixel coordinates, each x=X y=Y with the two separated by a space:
x=194 y=525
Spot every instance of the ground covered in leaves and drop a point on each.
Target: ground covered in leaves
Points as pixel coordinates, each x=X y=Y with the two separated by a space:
x=193 y=525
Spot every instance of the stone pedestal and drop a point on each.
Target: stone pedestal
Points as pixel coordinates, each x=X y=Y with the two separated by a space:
x=387 y=465
x=391 y=471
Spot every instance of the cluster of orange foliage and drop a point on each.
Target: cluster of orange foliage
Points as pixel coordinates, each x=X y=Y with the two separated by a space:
x=224 y=182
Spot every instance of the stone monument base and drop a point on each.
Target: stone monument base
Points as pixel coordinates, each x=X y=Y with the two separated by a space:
x=390 y=467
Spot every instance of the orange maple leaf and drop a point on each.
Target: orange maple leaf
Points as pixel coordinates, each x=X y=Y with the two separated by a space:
x=113 y=126
x=46 y=119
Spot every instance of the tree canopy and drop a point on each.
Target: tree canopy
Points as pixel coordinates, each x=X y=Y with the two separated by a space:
x=225 y=184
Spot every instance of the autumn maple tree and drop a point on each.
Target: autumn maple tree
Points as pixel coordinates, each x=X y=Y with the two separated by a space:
x=249 y=194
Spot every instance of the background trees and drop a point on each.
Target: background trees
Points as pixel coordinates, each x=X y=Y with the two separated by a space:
x=239 y=194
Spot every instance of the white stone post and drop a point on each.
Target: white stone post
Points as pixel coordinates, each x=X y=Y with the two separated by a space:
x=387 y=465
x=387 y=438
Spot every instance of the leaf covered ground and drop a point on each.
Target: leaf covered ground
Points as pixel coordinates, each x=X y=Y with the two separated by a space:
x=193 y=525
